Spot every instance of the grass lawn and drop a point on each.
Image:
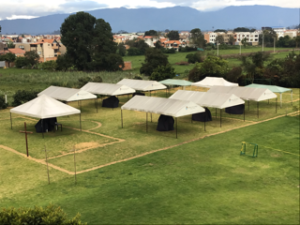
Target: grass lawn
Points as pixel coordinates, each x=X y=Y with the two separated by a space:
x=201 y=182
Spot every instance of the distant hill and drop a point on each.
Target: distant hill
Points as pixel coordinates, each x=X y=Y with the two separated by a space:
x=175 y=18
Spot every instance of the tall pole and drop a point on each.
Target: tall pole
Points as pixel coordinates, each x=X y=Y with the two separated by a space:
x=276 y=104
x=257 y=109
x=122 y=117
x=80 y=120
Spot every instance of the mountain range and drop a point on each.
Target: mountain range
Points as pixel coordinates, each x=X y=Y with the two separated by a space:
x=173 y=18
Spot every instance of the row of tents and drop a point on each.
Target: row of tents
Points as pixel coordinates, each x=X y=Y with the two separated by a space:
x=222 y=94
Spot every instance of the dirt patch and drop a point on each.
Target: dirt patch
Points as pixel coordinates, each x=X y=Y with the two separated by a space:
x=86 y=145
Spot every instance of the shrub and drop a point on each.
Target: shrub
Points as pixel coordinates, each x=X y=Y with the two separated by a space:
x=37 y=215
x=84 y=80
x=187 y=49
x=153 y=58
x=169 y=50
x=234 y=74
x=193 y=58
x=162 y=73
x=22 y=62
x=22 y=96
x=49 y=65
x=138 y=77
x=134 y=51
x=3 y=105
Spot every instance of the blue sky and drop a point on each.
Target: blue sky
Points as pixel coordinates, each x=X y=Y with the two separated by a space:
x=26 y=9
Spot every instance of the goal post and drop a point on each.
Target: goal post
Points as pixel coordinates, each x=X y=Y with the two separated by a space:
x=249 y=146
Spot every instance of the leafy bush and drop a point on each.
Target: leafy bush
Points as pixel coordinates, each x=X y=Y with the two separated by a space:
x=3 y=105
x=49 y=65
x=234 y=74
x=22 y=96
x=84 y=80
x=37 y=215
x=212 y=66
x=153 y=59
x=134 y=51
x=22 y=62
x=193 y=58
x=138 y=77
x=187 y=49
x=162 y=73
x=169 y=50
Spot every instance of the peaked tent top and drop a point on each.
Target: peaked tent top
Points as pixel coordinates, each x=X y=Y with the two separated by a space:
x=44 y=107
x=163 y=106
x=143 y=85
x=246 y=93
x=209 y=82
x=273 y=88
x=214 y=100
x=67 y=94
x=107 y=89
x=176 y=82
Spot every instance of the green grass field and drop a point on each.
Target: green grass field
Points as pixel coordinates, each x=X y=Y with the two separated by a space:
x=201 y=182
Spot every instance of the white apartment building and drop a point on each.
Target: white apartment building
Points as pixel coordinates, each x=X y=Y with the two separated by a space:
x=251 y=37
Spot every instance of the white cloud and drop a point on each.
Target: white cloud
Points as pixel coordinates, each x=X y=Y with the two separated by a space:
x=13 y=9
x=15 y=17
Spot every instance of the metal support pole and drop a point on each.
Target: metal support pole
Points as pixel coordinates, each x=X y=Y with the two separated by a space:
x=176 y=127
x=80 y=121
x=220 y=117
x=122 y=117
x=248 y=105
x=244 y=113
x=42 y=129
x=280 y=100
x=216 y=113
x=150 y=93
x=146 y=122
x=151 y=117
x=166 y=92
x=26 y=139
x=276 y=105
x=10 y=121
x=257 y=109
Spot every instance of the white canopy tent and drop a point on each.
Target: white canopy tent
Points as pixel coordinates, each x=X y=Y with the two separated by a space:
x=143 y=85
x=213 y=100
x=169 y=107
x=44 y=107
x=247 y=93
x=209 y=82
x=67 y=94
x=107 y=89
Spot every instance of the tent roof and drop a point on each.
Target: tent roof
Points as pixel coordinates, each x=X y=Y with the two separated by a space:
x=273 y=88
x=176 y=82
x=164 y=106
x=44 y=107
x=214 y=100
x=67 y=94
x=246 y=93
x=209 y=82
x=143 y=85
x=107 y=89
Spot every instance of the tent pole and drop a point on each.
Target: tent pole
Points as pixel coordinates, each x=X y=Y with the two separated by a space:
x=191 y=118
x=268 y=101
x=80 y=121
x=257 y=109
x=216 y=113
x=10 y=121
x=176 y=127
x=276 y=105
x=280 y=100
x=244 y=113
x=220 y=117
x=151 y=117
x=146 y=122
x=291 y=97
x=166 y=92
x=248 y=105
x=122 y=117
x=42 y=128
x=150 y=93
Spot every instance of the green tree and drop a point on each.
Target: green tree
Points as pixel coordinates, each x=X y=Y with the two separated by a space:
x=158 y=45
x=10 y=45
x=137 y=47
x=77 y=35
x=231 y=40
x=32 y=58
x=37 y=215
x=153 y=58
x=268 y=35
x=220 y=30
x=151 y=33
x=162 y=73
x=241 y=29
x=194 y=58
x=198 y=38
x=173 y=35
x=121 y=49
x=212 y=66
x=244 y=42
x=219 y=39
x=297 y=39
x=9 y=57
x=21 y=62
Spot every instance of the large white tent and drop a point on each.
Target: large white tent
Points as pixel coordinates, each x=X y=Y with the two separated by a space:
x=209 y=82
x=107 y=89
x=143 y=85
x=247 y=93
x=213 y=100
x=67 y=94
x=44 y=107
x=169 y=107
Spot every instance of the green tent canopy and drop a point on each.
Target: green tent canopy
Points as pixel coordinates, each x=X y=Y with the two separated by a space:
x=174 y=82
x=273 y=88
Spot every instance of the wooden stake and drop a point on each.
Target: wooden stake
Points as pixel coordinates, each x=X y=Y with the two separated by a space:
x=26 y=141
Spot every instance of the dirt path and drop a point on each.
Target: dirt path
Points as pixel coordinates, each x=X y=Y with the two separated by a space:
x=137 y=156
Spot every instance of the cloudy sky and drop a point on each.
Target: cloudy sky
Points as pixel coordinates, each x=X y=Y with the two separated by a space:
x=21 y=9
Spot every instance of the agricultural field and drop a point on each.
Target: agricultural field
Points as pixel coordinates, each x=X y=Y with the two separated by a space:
x=127 y=175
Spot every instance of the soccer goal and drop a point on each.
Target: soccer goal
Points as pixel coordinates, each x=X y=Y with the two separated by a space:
x=248 y=146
